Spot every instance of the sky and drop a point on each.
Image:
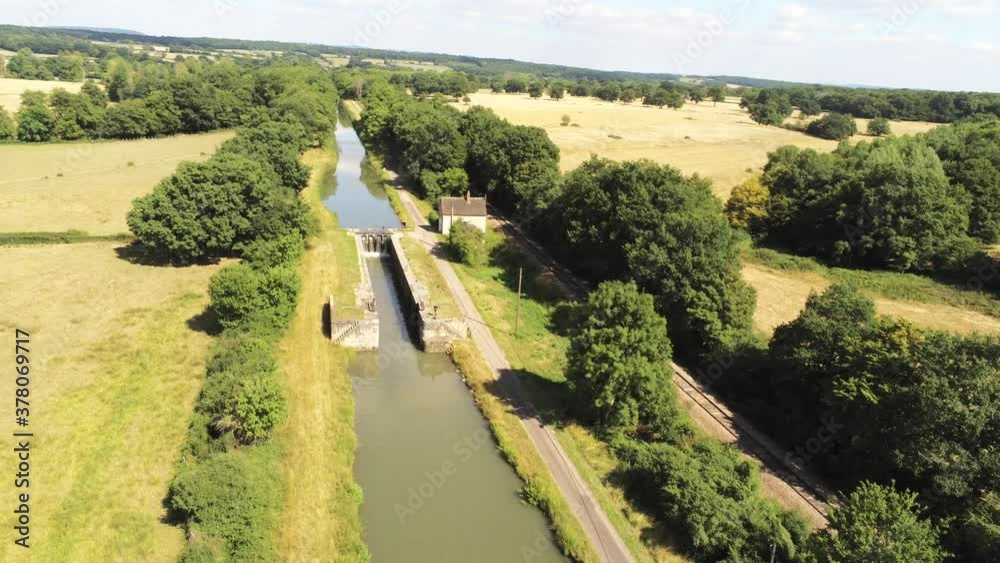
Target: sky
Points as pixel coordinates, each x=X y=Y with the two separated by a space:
x=934 y=44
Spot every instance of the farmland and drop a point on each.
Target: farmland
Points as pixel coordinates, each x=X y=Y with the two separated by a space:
x=717 y=142
x=12 y=88
x=116 y=371
x=88 y=186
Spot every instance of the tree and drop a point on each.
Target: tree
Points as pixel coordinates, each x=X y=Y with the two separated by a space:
x=25 y=65
x=452 y=182
x=35 y=122
x=608 y=91
x=536 y=89
x=618 y=363
x=980 y=179
x=118 y=80
x=260 y=406
x=467 y=244
x=259 y=299
x=717 y=94
x=516 y=85
x=68 y=66
x=207 y=210
x=879 y=127
x=557 y=91
x=768 y=107
x=8 y=130
x=696 y=94
x=75 y=115
x=833 y=126
x=810 y=107
x=880 y=525
x=649 y=223
x=747 y=206
x=98 y=98
x=129 y=119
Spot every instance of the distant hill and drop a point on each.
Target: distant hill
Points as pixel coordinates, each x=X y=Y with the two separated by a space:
x=100 y=30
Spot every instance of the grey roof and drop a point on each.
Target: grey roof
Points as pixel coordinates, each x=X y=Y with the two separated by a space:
x=475 y=207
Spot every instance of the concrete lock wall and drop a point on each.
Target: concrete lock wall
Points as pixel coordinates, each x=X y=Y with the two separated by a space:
x=435 y=335
x=359 y=334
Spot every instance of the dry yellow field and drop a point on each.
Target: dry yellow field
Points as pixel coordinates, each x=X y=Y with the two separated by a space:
x=97 y=182
x=781 y=295
x=115 y=370
x=717 y=142
x=12 y=88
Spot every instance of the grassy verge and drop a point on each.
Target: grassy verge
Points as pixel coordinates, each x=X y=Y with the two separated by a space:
x=538 y=353
x=889 y=285
x=424 y=269
x=63 y=237
x=320 y=520
x=517 y=448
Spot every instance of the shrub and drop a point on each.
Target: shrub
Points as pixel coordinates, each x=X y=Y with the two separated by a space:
x=467 y=244
x=747 y=206
x=283 y=251
x=566 y=120
x=879 y=126
x=230 y=496
x=260 y=406
x=8 y=130
x=452 y=182
x=834 y=126
x=262 y=301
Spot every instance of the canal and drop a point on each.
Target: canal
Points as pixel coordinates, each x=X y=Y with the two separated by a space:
x=435 y=486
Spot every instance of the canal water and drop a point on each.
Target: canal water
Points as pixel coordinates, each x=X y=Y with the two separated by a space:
x=436 y=489
x=355 y=193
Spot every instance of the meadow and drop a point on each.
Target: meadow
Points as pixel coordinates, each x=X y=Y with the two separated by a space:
x=718 y=142
x=88 y=186
x=117 y=361
x=12 y=88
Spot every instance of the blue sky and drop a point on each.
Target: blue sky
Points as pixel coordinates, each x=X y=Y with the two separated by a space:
x=941 y=44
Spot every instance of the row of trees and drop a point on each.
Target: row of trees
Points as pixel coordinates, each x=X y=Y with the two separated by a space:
x=927 y=204
x=618 y=370
x=907 y=105
x=156 y=99
x=871 y=398
x=448 y=152
x=67 y=65
x=242 y=202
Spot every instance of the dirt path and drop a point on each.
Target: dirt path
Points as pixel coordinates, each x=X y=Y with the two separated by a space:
x=599 y=529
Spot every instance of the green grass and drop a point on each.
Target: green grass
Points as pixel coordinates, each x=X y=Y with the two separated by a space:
x=64 y=237
x=538 y=353
x=424 y=269
x=321 y=519
x=889 y=285
x=516 y=447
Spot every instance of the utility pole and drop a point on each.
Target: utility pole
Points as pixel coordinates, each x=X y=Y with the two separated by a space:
x=517 y=310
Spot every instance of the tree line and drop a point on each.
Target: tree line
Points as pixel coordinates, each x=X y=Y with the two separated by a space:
x=904 y=105
x=243 y=202
x=154 y=99
x=928 y=203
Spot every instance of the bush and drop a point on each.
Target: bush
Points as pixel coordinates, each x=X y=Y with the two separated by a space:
x=260 y=406
x=261 y=301
x=467 y=244
x=834 y=126
x=283 y=251
x=231 y=496
x=879 y=126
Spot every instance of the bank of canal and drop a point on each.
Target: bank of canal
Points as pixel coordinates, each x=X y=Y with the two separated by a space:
x=435 y=486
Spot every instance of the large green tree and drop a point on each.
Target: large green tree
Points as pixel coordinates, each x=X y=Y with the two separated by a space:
x=618 y=363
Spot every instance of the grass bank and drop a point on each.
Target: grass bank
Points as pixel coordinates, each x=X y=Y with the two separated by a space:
x=424 y=269
x=538 y=353
x=320 y=520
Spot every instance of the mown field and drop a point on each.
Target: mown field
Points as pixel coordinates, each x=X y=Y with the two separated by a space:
x=12 y=88
x=88 y=186
x=719 y=142
x=117 y=361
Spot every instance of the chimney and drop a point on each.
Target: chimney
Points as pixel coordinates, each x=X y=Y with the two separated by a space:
x=468 y=196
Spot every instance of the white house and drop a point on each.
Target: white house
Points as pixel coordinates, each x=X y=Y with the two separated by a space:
x=472 y=210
